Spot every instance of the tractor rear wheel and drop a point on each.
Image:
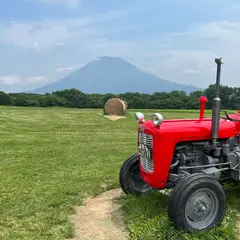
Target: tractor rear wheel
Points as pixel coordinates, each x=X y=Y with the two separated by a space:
x=130 y=178
x=197 y=203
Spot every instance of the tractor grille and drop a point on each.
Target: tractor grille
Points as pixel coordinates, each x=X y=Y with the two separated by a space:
x=146 y=151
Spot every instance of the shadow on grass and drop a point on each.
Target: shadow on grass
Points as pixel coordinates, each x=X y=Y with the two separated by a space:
x=147 y=218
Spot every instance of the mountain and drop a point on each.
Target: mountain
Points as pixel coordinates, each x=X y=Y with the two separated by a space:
x=113 y=75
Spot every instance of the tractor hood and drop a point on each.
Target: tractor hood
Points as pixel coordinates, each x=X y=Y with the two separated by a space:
x=188 y=129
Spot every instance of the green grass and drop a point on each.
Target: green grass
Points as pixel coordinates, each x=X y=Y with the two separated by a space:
x=147 y=218
x=51 y=159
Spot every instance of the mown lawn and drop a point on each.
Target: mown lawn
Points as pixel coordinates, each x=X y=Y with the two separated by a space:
x=52 y=158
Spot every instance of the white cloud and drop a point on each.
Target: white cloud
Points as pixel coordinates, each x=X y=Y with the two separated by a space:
x=189 y=71
x=216 y=31
x=9 y=80
x=17 y=80
x=166 y=45
x=235 y=7
x=35 y=45
x=222 y=38
x=61 y=44
x=34 y=35
x=180 y=59
x=148 y=69
x=36 y=79
x=203 y=42
x=66 y=69
x=188 y=52
x=48 y=34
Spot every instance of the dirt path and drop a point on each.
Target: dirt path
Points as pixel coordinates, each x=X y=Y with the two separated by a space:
x=238 y=227
x=114 y=117
x=100 y=218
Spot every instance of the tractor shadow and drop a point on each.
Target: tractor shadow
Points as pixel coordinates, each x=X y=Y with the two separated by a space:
x=147 y=217
x=232 y=191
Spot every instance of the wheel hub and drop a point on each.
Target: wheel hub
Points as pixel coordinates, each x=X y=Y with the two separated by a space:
x=201 y=208
x=137 y=181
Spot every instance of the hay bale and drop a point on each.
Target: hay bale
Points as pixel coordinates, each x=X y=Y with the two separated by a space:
x=126 y=104
x=115 y=106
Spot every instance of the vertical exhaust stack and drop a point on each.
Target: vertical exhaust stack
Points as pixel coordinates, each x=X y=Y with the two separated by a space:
x=216 y=105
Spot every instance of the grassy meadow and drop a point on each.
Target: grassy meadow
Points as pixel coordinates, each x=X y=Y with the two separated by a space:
x=51 y=159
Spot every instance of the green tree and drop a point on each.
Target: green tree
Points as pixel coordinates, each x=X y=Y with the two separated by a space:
x=5 y=99
x=20 y=100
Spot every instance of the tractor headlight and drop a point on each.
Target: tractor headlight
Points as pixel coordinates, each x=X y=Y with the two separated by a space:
x=157 y=119
x=139 y=117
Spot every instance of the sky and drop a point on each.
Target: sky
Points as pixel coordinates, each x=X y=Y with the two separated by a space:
x=43 y=40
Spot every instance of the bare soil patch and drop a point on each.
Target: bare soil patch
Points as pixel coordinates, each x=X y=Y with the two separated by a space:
x=238 y=228
x=100 y=218
x=114 y=117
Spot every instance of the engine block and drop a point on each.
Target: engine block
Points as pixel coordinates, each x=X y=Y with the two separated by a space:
x=197 y=157
x=234 y=159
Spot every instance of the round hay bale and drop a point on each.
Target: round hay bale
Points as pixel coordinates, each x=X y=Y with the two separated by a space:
x=115 y=106
x=126 y=104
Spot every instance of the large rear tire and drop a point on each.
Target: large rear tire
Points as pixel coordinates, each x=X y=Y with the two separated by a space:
x=130 y=178
x=197 y=203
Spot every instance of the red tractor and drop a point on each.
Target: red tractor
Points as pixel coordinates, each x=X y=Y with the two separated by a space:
x=193 y=157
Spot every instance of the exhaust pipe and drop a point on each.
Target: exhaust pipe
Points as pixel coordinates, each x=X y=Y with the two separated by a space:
x=216 y=105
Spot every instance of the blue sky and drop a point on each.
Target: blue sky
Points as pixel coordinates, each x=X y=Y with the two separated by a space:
x=44 y=40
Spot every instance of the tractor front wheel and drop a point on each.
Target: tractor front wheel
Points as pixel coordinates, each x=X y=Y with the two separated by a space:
x=130 y=178
x=197 y=203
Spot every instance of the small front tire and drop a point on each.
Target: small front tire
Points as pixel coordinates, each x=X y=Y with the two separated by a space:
x=130 y=178
x=197 y=203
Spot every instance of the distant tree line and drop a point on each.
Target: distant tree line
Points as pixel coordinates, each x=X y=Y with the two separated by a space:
x=72 y=98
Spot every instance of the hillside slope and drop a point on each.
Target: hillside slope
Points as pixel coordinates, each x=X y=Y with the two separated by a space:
x=113 y=75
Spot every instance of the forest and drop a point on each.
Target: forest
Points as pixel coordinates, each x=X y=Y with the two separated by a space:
x=73 y=98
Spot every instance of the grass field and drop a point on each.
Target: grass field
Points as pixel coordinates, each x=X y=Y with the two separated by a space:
x=52 y=158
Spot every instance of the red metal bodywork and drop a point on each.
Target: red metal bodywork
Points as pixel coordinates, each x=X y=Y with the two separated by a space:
x=202 y=101
x=171 y=132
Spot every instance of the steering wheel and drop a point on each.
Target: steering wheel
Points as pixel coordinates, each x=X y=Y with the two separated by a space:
x=228 y=118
